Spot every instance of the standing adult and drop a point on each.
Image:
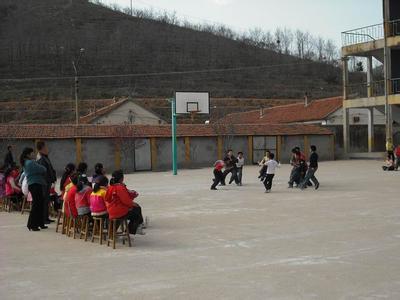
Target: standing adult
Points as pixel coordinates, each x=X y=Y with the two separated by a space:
x=43 y=159
x=9 y=158
x=312 y=168
x=36 y=178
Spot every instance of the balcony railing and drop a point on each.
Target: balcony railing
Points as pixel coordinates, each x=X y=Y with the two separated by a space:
x=375 y=89
x=395 y=86
x=355 y=91
x=369 y=33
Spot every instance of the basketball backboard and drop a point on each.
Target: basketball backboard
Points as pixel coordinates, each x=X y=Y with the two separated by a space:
x=192 y=102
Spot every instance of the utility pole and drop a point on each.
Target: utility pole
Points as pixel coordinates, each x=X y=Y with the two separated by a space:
x=174 y=142
x=131 y=9
x=388 y=114
x=76 y=66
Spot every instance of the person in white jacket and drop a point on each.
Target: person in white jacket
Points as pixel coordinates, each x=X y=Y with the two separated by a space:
x=239 y=166
x=271 y=165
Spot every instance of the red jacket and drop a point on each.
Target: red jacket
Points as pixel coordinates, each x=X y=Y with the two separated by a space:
x=82 y=198
x=118 y=201
x=397 y=151
x=70 y=207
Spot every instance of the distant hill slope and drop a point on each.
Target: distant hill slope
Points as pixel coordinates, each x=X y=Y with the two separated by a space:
x=39 y=38
x=63 y=111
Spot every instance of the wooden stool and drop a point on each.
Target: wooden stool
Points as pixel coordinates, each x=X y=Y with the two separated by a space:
x=8 y=203
x=2 y=203
x=23 y=208
x=72 y=226
x=84 y=220
x=65 y=223
x=98 y=229
x=113 y=234
x=60 y=221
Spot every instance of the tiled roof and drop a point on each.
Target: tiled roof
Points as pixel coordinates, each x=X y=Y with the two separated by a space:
x=292 y=113
x=101 y=112
x=141 y=131
x=109 y=108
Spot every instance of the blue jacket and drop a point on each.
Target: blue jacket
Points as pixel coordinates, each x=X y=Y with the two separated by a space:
x=35 y=172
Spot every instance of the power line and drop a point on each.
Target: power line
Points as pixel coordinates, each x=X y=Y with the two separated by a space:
x=161 y=73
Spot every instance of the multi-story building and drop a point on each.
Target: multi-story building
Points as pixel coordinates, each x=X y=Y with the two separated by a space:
x=382 y=43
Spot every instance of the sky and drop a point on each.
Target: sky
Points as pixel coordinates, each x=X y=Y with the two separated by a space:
x=326 y=18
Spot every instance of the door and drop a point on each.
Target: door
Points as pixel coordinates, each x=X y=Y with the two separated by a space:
x=142 y=155
x=261 y=144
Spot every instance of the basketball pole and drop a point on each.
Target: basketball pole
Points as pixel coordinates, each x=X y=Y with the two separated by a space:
x=174 y=144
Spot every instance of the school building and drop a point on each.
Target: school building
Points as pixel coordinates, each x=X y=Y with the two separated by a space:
x=148 y=147
x=377 y=44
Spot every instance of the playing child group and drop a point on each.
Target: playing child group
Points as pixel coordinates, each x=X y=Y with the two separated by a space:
x=301 y=176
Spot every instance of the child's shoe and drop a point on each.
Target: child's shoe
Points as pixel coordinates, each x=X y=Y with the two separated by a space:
x=140 y=230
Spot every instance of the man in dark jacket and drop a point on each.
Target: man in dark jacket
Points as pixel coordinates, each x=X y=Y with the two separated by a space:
x=9 y=159
x=43 y=159
x=312 y=168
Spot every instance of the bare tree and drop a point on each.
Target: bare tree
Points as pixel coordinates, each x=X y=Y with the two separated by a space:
x=331 y=51
x=320 y=48
x=285 y=38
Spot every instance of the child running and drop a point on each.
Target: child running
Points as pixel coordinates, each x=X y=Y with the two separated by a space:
x=313 y=167
x=263 y=169
x=271 y=165
x=218 y=175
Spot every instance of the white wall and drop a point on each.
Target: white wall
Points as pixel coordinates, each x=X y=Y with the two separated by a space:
x=337 y=117
x=120 y=115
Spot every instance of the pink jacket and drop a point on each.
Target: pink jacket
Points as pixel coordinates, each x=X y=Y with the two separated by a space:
x=2 y=186
x=97 y=203
x=82 y=197
x=11 y=187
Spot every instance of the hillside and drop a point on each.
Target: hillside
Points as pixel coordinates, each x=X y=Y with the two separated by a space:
x=63 y=111
x=40 y=38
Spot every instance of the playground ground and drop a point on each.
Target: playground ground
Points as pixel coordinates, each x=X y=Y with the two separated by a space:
x=340 y=242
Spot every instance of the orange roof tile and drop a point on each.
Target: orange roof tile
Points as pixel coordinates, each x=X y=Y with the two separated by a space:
x=291 y=113
x=141 y=131
x=102 y=111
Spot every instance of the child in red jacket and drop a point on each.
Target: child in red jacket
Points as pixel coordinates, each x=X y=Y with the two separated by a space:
x=218 y=175
x=69 y=199
x=120 y=203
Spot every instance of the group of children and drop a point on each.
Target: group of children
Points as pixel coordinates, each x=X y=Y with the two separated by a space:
x=230 y=164
x=302 y=174
x=99 y=197
x=11 y=184
x=81 y=195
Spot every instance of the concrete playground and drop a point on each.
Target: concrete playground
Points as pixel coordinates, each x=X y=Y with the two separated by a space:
x=340 y=242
